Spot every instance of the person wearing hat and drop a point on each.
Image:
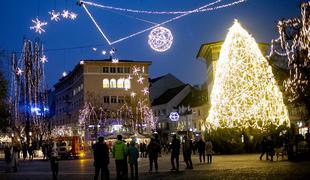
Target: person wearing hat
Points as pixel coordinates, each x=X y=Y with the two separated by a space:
x=101 y=159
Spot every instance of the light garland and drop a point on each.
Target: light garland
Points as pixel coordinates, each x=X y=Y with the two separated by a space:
x=38 y=25
x=204 y=8
x=245 y=93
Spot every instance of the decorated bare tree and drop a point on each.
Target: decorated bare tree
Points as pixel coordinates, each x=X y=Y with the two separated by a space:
x=294 y=40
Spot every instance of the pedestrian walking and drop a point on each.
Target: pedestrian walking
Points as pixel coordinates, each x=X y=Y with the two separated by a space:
x=187 y=152
x=133 y=155
x=270 y=148
x=209 y=151
x=201 y=146
x=101 y=159
x=119 y=152
x=54 y=160
x=264 y=148
x=30 y=152
x=153 y=150
x=14 y=160
x=175 y=152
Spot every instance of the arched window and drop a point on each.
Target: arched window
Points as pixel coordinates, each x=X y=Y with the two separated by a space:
x=105 y=83
x=120 y=83
x=127 y=84
x=112 y=83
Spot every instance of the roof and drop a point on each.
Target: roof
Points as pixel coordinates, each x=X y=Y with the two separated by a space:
x=168 y=95
x=195 y=98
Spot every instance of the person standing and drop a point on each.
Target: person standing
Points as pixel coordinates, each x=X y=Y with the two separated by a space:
x=201 y=146
x=209 y=148
x=54 y=161
x=153 y=149
x=101 y=159
x=187 y=152
x=264 y=148
x=133 y=155
x=175 y=152
x=24 y=151
x=7 y=158
x=119 y=152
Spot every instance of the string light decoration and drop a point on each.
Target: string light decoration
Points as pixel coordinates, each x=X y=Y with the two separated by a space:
x=245 y=93
x=294 y=40
x=65 y=13
x=160 y=39
x=205 y=8
x=38 y=25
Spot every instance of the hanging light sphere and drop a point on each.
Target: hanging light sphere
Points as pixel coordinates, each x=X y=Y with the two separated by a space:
x=160 y=39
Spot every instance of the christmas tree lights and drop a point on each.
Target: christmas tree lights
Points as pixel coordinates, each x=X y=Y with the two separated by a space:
x=245 y=93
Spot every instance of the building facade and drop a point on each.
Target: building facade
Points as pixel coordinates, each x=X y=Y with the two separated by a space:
x=98 y=94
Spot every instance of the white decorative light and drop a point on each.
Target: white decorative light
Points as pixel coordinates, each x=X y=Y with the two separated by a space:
x=145 y=90
x=43 y=59
x=135 y=70
x=81 y=62
x=174 y=116
x=114 y=60
x=140 y=79
x=160 y=39
x=38 y=25
x=133 y=94
x=65 y=14
x=94 y=49
x=204 y=8
x=129 y=77
x=54 y=15
x=64 y=74
x=19 y=71
x=104 y=52
x=72 y=15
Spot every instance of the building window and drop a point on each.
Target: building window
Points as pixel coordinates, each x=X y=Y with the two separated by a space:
x=121 y=100
x=120 y=83
x=127 y=84
x=113 y=99
x=112 y=70
x=120 y=70
x=112 y=83
x=106 y=99
x=126 y=70
x=105 y=69
x=105 y=83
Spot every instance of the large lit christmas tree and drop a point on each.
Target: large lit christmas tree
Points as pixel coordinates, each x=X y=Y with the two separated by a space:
x=245 y=93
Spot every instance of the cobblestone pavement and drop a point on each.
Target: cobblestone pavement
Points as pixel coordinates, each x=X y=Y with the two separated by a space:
x=245 y=166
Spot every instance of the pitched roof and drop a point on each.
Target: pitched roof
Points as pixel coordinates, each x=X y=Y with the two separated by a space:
x=168 y=95
x=195 y=98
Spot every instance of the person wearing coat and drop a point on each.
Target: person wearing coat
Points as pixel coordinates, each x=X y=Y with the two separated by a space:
x=152 y=150
x=101 y=159
x=133 y=155
x=119 y=152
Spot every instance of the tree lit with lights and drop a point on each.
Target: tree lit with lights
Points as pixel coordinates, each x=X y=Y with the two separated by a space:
x=245 y=93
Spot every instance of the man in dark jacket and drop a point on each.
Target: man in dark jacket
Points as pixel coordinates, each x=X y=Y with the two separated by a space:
x=201 y=145
x=153 y=149
x=175 y=152
x=101 y=159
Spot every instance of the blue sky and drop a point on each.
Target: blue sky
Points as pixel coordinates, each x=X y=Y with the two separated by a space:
x=76 y=38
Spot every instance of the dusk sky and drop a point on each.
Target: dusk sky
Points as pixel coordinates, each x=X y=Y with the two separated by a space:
x=68 y=41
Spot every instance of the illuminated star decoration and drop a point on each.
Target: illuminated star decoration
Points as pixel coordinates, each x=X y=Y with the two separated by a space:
x=114 y=60
x=65 y=14
x=72 y=15
x=140 y=79
x=135 y=70
x=145 y=90
x=54 y=15
x=160 y=39
x=19 y=71
x=43 y=59
x=38 y=25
